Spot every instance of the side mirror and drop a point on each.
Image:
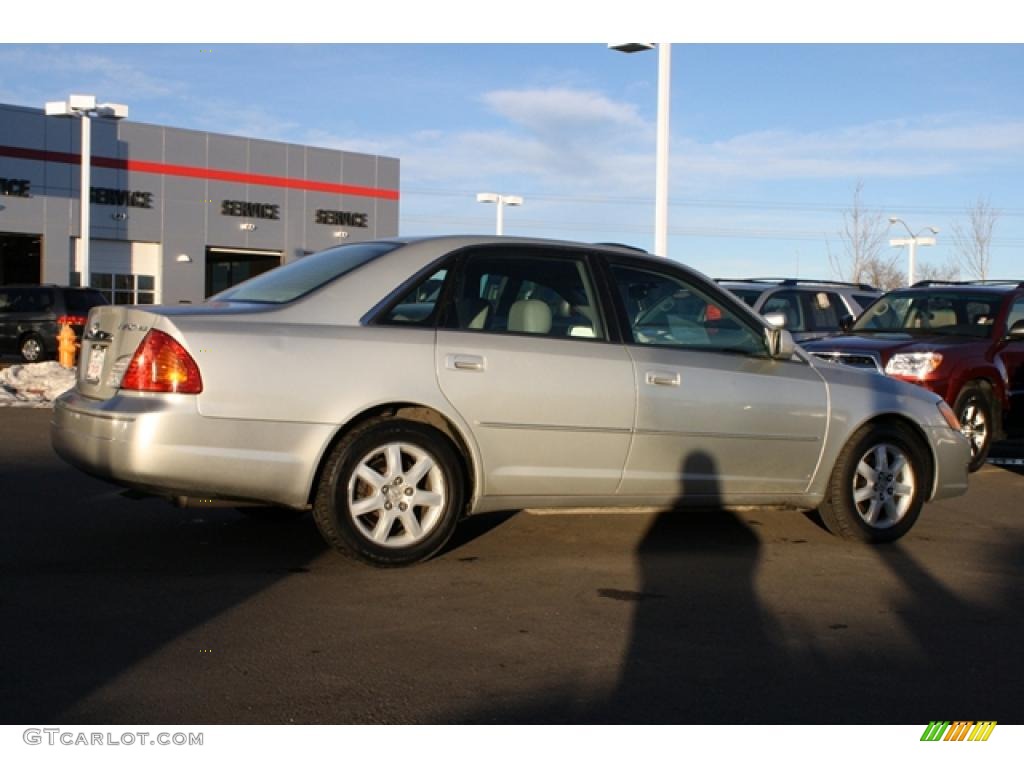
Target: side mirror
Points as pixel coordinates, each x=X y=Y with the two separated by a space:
x=778 y=319
x=780 y=343
x=1016 y=332
x=846 y=323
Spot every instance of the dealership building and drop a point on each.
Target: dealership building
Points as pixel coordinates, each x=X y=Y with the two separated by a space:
x=176 y=215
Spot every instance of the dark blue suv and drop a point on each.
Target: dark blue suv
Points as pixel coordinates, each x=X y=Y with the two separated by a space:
x=31 y=316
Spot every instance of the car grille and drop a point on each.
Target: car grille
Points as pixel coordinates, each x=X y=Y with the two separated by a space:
x=852 y=359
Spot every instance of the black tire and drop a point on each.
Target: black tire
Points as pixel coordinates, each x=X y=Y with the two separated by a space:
x=977 y=414
x=31 y=348
x=852 y=510
x=360 y=472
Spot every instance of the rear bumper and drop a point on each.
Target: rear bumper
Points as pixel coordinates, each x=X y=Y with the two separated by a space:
x=952 y=453
x=161 y=444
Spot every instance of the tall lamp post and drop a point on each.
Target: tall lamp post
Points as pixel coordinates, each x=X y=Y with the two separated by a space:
x=501 y=201
x=911 y=243
x=85 y=107
x=661 y=160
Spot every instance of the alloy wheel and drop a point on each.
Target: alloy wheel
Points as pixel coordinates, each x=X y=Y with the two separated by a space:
x=397 y=495
x=883 y=485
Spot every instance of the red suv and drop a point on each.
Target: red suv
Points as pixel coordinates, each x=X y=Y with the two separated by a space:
x=963 y=341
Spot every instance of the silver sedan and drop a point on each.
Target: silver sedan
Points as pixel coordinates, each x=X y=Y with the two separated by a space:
x=394 y=387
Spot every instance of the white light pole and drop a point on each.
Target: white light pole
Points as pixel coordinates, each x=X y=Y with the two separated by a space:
x=661 y=158
x=501 y=201
x=911 y=243
x=84 y=107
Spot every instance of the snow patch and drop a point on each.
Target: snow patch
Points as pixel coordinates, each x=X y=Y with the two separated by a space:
x=35 y=385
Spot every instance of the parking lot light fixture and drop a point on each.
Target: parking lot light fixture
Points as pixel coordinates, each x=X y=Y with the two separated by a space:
x=911 y=244
x=662 y=152
x=84 y=107
x=501 y=201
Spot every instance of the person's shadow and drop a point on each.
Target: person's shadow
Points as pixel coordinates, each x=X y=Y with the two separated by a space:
x=699 y=651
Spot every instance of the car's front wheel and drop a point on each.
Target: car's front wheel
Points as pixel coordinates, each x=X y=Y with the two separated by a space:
x=878 y=485
x=390 y=494
x=974 y=409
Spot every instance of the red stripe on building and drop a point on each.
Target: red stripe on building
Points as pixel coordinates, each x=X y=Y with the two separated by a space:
x=195 y=172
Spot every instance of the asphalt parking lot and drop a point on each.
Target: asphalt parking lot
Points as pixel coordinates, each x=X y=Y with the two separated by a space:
x=119 y=610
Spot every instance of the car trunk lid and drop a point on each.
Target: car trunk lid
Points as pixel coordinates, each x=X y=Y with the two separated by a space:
x=112 y=335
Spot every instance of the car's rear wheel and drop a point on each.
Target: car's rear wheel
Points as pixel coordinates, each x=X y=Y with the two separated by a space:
x=390 y=494
x=974 y=408
x=878 y=485
x=32 y=349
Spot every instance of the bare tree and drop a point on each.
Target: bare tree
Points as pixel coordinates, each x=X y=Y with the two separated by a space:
x=864 y=236
x=948 y=271
x=973 y=240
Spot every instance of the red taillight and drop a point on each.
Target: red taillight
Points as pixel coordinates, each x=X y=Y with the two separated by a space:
x=71 y=320
x=161 y=364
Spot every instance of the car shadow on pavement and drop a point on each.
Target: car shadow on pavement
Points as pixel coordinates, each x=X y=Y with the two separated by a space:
x=92 y=584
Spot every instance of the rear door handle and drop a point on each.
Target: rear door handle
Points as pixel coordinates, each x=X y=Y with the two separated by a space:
x=664 y=378
x=464 y=362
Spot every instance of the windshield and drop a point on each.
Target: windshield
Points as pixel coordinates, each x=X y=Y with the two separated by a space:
x=289 y=282
x=925 y=312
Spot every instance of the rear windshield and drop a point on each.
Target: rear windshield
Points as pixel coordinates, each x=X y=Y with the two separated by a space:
x=289 y=282
x=940 y=312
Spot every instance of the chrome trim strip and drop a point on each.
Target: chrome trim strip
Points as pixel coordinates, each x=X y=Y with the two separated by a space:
x=730 y=436
x=655 y=432
x=555 y=427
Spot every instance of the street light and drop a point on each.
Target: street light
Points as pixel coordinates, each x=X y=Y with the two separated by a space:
x=501 y=201
x=84 y=107
x=911 y=243
x=661 y=160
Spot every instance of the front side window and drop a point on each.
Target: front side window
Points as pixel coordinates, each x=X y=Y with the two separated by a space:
x=526 y=291
x=665 y=310
x=787 y=304
x=1016 y=314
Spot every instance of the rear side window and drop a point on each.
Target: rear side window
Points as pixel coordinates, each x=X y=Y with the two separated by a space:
x=289 y=282
x=529 y=292
x=31 y=300
x=824 y=310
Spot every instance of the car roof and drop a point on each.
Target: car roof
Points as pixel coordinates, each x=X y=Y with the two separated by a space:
x=452 y=242
x=764 y=283
x=989 y=286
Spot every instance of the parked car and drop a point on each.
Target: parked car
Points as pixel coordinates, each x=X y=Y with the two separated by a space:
x=31 y=316
x=396 y=386
x=964 y=341
x=809 y=309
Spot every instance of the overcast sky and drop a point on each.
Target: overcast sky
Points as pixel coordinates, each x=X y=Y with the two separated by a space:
x=767 y=140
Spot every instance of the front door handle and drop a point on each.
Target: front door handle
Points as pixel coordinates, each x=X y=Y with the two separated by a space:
x=464 y=362
x=664 y=378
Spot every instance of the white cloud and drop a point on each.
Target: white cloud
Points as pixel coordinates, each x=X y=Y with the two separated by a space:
x=558 y=109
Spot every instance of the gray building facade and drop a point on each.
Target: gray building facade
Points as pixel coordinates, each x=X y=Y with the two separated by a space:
x=177 y=215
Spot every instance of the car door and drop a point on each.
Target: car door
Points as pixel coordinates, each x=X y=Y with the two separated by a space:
x=717 y=418
x=525 y=355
